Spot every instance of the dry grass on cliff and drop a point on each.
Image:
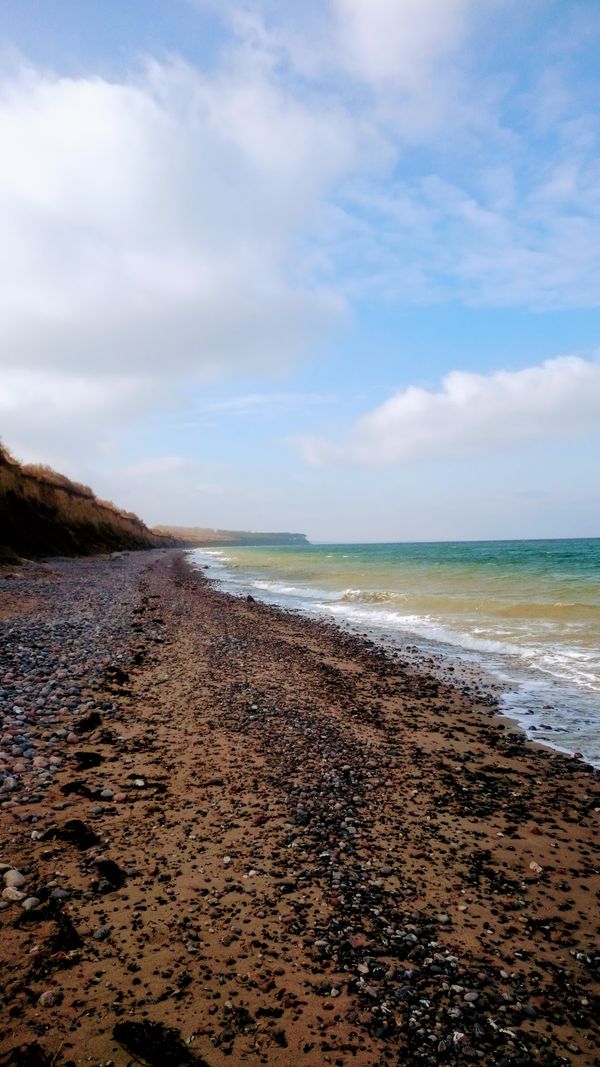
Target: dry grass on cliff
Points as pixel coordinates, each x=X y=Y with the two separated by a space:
x=42 y=513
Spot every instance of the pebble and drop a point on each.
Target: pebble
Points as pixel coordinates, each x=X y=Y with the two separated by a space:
x=14 y=879
x=48 y=658
x=415 y=988
x=48 y=999
x=60 y=894
x=12 y=894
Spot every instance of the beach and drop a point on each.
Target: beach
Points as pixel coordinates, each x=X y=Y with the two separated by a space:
x=520 y=617
x=231 y=833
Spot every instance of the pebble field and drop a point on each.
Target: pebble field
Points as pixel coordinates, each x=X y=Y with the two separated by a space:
x=230 y=834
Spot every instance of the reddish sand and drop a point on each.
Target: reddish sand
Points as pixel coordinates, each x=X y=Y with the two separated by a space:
x=325 y=857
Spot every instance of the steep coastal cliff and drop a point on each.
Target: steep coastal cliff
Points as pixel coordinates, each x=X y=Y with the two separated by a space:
x=43 y=513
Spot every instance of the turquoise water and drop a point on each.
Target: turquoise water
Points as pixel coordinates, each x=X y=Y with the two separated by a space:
x=526 y=613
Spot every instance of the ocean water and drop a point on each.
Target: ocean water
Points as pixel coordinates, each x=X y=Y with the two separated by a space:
x=524 y=615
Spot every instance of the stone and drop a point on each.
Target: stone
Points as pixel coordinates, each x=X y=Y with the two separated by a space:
x=48 y=999
x=11 y=894
x=14 y=879
x=31 y=903
x=60 y=894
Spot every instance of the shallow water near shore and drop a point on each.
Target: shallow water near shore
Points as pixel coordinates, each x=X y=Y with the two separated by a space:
x=523 y=615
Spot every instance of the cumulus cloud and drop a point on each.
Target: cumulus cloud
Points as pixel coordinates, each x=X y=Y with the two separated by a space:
x=148 y=224
x=474 y=413
x=501 y=207
x=172 y=224
x=398 y=53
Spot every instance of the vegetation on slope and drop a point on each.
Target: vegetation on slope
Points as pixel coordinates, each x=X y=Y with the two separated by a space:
x=198 y=536
x=43 y=513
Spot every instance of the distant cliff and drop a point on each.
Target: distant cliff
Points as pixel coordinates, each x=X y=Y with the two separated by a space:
x=43 y=513
x=199 y=536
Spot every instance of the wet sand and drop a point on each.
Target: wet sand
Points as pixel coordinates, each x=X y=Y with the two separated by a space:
x=256 y=838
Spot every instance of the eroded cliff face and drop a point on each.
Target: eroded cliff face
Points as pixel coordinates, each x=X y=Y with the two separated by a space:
x=43 y=513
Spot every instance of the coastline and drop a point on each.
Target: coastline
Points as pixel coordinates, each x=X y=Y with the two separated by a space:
x=324 y=855
x=544 y=680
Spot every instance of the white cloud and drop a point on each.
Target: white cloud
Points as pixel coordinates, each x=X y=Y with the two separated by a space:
x=399 y=42
x=391 y=61
x=44 y=396
x=148 y=225
x=174 y=224
x=267 y=403
x=500 y=238
x=183 y=223
x=474 y=413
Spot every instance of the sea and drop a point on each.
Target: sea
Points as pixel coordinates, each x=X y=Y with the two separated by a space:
x=522 y=617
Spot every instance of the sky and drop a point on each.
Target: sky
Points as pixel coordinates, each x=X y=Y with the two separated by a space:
x=330 y=267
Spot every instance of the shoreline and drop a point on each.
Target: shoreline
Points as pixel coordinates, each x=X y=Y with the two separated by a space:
x=469 y=667
x=323 y=854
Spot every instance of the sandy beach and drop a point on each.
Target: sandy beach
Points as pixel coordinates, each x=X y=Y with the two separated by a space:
x=230 y=834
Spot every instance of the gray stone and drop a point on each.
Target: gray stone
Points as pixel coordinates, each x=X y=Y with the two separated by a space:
x=14 y=879
x=59 y=894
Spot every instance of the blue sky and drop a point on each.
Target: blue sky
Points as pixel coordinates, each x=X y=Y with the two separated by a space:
x=331 y=267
